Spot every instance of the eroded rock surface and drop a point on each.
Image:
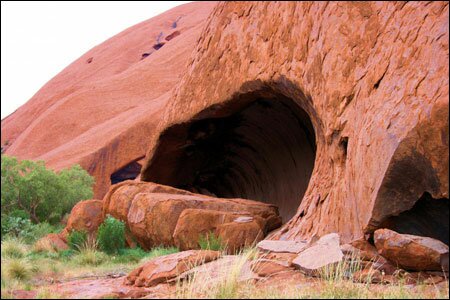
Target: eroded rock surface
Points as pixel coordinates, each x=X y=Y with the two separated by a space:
x=368 y=84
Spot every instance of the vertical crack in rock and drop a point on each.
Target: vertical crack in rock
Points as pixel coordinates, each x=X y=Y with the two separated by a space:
x=259 y=146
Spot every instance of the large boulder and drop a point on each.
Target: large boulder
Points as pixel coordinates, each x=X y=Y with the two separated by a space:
x=409 y=251
x=162 y=215
x=167 y=267
x=85 y=216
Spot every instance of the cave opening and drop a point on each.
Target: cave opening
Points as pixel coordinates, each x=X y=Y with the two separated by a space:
x=428 y=217
x=259 y=146
x=130 y=171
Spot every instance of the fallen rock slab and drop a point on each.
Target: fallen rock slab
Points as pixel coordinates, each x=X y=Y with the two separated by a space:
x=163 y=215
x=268 y=267
x=164 y=268
x=411 y=252
x=282 y=246
x=324 y=253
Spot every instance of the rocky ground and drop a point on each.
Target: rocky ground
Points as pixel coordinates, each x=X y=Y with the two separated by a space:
x=276 y=269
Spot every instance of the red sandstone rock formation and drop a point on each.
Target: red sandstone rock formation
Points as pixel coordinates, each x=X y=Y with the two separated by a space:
x=100 y=111
x=335 y=112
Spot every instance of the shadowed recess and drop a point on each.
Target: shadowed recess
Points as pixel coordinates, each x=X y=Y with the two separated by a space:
x=258 y=146
x=130 y=171
x=428 y=217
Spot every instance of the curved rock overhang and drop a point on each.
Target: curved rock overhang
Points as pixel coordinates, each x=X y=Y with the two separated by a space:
x=259 y=145
x=370 y=72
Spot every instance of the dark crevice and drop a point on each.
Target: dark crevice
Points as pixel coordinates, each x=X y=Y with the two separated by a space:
x=130 y=171
x=259 y=147
x=158 y=45
x=428 y=217
x=343 y=144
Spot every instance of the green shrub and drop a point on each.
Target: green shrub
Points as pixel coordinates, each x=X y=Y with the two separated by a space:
x=65 y=254
x=209 y=241
x=76 y=239
x=39 y=192
x=90 y=257
x=15 y=227
x=130 y=255
x=111 y=235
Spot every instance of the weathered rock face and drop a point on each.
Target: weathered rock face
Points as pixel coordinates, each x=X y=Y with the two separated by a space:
x=335 y=112
x=100 y=110
x=164 y=268
x=162 y=215
x=409 y=251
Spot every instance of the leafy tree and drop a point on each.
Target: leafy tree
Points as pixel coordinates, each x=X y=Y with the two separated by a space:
x=40 y=192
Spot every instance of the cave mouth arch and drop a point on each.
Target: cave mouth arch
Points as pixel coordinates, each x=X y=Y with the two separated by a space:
x=259 y=145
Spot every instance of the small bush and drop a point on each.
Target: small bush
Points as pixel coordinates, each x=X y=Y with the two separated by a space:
x=13 y=248
x=38 y=231
x=13 y=226
x=90 y=257
x=76 y=239
x=111 y=235
x=65 y=254
x=18 y=269
x=130 y=255
x=209 y=241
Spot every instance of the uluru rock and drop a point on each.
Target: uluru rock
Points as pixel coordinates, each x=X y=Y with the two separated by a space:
x=336 y=113
x=164 y=268
x=409 y=251
x=100 y=110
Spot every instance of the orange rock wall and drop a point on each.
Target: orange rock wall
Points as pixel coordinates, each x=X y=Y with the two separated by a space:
x=373 y=78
